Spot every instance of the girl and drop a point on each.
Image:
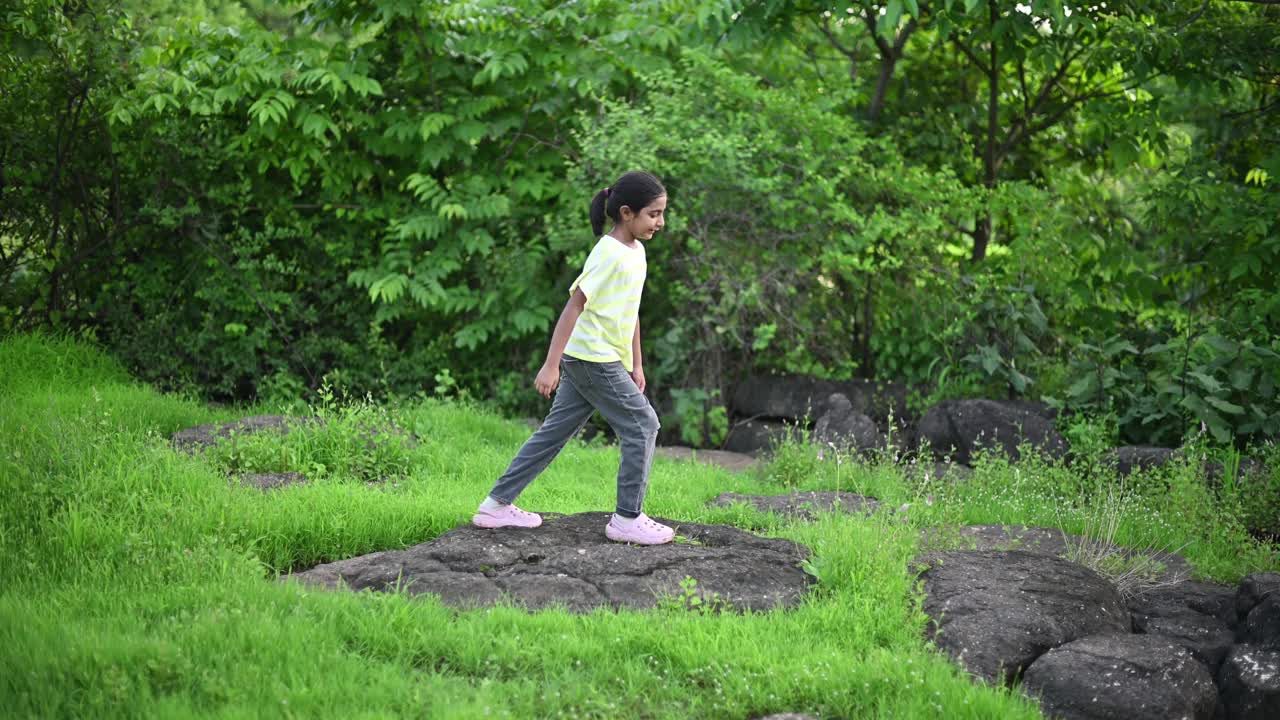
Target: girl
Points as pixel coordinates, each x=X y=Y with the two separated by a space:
x=594 y=364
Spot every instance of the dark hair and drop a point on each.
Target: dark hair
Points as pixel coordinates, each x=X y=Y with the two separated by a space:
x=635 y=189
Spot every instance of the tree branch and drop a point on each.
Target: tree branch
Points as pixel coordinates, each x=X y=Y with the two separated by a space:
x=825 y=28
x=968 y=51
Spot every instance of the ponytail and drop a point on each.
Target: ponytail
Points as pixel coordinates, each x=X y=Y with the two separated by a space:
x=635 y=190
x=598 y=204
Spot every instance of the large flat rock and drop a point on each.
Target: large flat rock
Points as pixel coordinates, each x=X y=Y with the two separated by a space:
x=568 y=562
x=1126 y=677
x=995 y=612
x=801 y=505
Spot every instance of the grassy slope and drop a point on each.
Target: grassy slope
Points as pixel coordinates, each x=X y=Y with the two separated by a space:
x=135 y=580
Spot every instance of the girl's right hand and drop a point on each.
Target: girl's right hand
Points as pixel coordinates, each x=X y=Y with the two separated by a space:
x=547 y=380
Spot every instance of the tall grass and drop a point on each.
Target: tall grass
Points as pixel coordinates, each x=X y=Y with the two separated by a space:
x=136 y=580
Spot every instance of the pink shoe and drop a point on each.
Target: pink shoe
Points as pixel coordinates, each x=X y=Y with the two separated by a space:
x=641 y=531
x=505 y=516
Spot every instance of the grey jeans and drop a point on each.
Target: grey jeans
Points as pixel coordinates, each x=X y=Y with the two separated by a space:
x=585 y=387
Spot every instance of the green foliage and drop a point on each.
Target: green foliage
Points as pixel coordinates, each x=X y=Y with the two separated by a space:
x=357 y=441
x=1164 y=391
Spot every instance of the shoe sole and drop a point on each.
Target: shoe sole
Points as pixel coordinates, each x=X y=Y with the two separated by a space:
x=615 y=536
x=482 y=522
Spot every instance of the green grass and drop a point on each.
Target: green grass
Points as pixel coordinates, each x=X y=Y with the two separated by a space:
x=137 y=581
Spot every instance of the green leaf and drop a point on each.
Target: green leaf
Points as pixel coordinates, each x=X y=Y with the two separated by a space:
x=1224 y=406
x=914 y=7
x=1206 y=382
x=1241 y=378
x=969 y=5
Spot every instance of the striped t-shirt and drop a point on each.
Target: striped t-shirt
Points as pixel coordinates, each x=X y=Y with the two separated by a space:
x=612 y=280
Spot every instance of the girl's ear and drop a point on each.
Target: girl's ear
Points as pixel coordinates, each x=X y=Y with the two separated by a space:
x=625 y=212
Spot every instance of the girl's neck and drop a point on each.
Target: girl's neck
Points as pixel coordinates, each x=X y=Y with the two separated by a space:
x=622 y=235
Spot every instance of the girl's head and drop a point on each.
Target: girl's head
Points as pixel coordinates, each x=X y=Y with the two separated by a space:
x=637 y=200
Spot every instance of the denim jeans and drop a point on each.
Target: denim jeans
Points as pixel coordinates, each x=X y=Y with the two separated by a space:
x=585 y=387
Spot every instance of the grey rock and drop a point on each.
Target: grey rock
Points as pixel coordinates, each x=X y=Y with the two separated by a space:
x=568 y=562
x=995 y=612
x=1042 y=541
x=754 y=437
x=960 y=428
x=271 y=481
x=1195 y=615
x=846 y=428
x=951 y=472
x=1126 y=677
x=722 y=458
x=1249 y=684
x=1262 y=627
x=1254 y=589
x=200 y=437
x=801 y=505
x=795 y=397
x=1131 y=458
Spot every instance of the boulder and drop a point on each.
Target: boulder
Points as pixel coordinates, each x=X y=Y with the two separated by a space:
x=754 y=437
x=1254 y=589
x=200 y=437
x=1249 y=684
x=1122 y=676
x=1195 y=615
x=1131 y=458
x=995 y=612
x=846 y=428
x=960 y=428
x=801 y=505
x=951 y=472
x=1262 y=627
x=795 y=397
x=271 y=481
x=722 y=458
x=1040 y=540
x=567 y=562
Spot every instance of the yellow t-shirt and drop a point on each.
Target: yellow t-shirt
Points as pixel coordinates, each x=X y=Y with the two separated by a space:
x=612 y=280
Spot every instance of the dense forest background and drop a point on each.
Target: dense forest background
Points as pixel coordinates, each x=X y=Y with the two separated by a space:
x=251 y=200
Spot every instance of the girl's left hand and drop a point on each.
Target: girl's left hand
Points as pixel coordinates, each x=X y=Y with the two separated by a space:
x=638 y=376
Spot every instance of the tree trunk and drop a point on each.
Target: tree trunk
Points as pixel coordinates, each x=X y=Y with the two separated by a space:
x=990 y=163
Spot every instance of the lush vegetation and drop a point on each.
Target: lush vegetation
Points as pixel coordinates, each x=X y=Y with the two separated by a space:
x=137 y=580
x=248 y=200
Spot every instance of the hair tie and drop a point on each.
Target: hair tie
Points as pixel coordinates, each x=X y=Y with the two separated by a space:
x=608 y=191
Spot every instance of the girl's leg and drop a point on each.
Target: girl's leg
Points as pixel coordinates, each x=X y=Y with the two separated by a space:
x=569 y=412
x=610 y=388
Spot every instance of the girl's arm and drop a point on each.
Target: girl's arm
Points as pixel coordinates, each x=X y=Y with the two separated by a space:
x=637 y=373
x=549 y=376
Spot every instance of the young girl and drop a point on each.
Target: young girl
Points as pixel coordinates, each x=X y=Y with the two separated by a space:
x=594 y=364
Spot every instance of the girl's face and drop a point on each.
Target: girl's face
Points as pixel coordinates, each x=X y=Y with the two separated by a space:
x=648 y=221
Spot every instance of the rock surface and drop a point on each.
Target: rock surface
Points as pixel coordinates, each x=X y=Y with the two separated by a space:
x=1254 y=589
x=995 y=612
x=1039 y=540
x=846 y=428
x=1135 y=677
x=723 y=458
x=1262 y=626
x=753 y=437
x=796 y=397
x=271 y=481
x=1249 y=684
x=1131 y=458
x=801 y=505
x=568 y=562
x=960 y=428
x=1196 y=615
x=200 y=437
